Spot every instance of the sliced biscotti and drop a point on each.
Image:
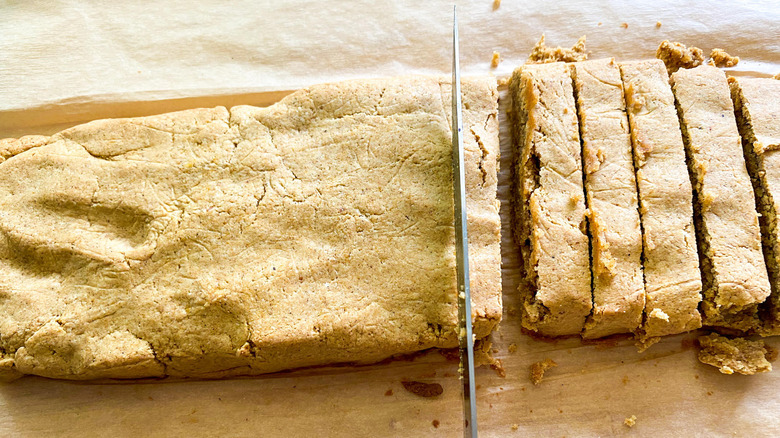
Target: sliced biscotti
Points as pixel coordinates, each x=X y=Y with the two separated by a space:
x=611 y=195
x=757 y=106
x=215 y=242
x=549 y=219
x=734 y=275
x=671 y=262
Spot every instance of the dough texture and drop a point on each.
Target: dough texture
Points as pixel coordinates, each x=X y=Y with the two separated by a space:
x=213 y=242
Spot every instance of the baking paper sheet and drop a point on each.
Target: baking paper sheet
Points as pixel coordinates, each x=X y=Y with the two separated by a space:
x=65 y=62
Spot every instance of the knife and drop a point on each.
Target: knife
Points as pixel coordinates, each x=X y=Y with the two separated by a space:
x=465 y=337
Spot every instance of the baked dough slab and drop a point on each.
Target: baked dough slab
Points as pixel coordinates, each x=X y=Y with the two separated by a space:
x=757 y=105
x=610 y=189
x=734 y=274
x=549 y=218
x=671 y=262
x=213 y=243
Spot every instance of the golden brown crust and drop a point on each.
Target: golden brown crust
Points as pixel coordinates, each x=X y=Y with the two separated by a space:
x=211 y=243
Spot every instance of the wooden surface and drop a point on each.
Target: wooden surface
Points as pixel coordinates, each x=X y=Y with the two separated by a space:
x=595 y=386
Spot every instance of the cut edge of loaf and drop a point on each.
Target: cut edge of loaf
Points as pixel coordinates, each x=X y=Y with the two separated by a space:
x=565 y=313
x=754 y=159
x=603 y=320
x=662 y=325
x=743 y=318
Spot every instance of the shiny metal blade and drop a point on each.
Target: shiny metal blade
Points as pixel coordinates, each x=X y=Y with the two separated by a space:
x=461 y=247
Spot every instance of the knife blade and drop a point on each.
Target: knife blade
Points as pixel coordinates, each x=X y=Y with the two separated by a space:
x=465 y=337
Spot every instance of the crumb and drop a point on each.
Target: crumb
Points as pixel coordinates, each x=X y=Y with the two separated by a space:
x=676 y=55
x=483 y=356
x=630 y=421
x=496 y=4
x=624 y=25
x=496 y=60
x=719 y=58
x=625 y=380
x=644 y=344
x=512 y=347
x=515 y=427
x=435 y=423
x=423 y=389
x=538 y=369
x=709 y=392
x=542 y=54
x=738 y=355
x=777 y=76
x=600 y=23
x=657 y=24
x=389 y=392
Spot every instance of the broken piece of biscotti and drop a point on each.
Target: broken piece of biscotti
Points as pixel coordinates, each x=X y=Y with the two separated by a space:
x=549 y=217
x=213 y=243
x=737 y=355
x=610 y=190
x=757 y=107
x=734 y=275
x=671 y=263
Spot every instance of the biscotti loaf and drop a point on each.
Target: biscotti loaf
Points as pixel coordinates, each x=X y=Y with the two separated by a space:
x=215 y=242
x=611 y=195
x=757 y=106
x=671 y=263
x=734 y=274
x=549 y=205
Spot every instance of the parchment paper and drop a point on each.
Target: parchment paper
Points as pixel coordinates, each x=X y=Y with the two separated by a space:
x=65 y=62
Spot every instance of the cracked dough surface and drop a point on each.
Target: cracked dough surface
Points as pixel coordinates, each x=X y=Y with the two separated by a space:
x=215 y=242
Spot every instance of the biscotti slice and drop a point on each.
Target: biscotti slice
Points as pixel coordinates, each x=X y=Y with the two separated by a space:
x=212 y=243
x=549 y=202
x=671 y=262
x=757 y=106
x=611 y=194
x=734 y=275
